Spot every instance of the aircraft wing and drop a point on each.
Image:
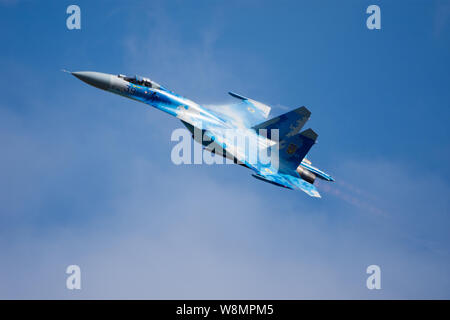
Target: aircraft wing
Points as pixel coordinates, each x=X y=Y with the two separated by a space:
x=244 y=114
x=290 y=182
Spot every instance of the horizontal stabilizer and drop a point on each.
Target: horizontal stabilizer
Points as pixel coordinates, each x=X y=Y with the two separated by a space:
x=271 y=181
x=303 y=185
x=289 y=182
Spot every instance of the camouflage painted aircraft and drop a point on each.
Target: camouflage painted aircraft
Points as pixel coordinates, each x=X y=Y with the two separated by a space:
x=293 y=170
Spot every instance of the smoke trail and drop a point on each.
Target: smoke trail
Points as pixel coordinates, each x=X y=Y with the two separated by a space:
x=352 y=195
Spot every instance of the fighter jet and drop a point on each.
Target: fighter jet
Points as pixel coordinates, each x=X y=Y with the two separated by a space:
x=247 y=117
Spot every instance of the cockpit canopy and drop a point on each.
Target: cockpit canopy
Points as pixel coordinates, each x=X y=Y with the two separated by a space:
x=141 y=81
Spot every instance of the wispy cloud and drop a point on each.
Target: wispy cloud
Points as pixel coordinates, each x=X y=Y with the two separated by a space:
x=441 y=17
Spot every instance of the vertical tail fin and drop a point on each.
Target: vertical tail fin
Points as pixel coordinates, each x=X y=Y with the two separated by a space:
x=293 y=149
x=288 y=124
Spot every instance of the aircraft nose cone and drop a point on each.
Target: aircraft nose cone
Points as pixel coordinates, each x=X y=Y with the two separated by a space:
x=96 y=79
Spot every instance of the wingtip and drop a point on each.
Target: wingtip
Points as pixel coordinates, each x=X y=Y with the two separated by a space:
x=315 y=193
x=238 y=96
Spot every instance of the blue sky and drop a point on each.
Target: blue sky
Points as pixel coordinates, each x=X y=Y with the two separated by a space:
x=86 y=176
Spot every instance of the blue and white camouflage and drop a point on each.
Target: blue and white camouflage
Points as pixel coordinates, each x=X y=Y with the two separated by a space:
x=247 y=119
